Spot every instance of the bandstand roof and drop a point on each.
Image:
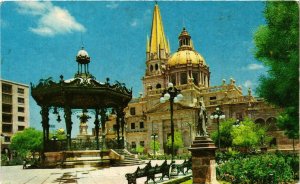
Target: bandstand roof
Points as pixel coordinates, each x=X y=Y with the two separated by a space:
x=82 y=91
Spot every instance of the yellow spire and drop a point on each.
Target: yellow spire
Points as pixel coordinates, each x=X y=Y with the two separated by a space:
x=157 y=39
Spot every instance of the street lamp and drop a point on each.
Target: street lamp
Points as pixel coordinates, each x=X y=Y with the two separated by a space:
x=174 y=96
x=218 y=114
x=153 y=136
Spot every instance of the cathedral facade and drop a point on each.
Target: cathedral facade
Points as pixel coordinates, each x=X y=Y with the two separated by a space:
x=189 y=72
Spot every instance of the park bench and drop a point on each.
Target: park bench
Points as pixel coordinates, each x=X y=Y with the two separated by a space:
x=149 y=172
x=186 y=164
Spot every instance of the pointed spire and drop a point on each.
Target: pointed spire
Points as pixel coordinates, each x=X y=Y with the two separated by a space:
x=158 y=40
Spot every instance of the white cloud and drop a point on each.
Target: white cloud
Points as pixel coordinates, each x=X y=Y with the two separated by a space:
x=248 y=84
x=112 y=5
x=255 y=67
x=52 y=20
x=134 y=23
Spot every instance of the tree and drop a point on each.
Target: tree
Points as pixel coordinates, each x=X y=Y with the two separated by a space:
x=225 y=133
x=277 y=47
x=28 y=141
x=248 y=134
x=155 y=145
x=139 y=149
x=178 y=143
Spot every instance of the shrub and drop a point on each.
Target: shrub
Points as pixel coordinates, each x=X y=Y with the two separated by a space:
x=259 y=169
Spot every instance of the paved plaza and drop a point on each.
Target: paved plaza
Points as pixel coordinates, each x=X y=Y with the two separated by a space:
x=88 y=175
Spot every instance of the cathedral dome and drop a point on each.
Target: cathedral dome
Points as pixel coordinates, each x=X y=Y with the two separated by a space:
x=183 y=57
x=186 y=53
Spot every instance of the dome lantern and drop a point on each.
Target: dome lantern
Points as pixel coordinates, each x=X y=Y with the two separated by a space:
x=185 y=40
x=83 y=59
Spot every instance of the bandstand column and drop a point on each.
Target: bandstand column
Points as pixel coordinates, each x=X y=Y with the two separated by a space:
x=45 y=124
x=97 y=128
x=118 y=119
x=122 y=128
x=68 y=120
x=103 y=120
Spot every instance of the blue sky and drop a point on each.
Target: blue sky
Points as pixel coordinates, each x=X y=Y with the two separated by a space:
x=41 y=39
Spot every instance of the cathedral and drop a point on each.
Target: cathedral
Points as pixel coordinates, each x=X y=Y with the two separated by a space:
x=190 y=73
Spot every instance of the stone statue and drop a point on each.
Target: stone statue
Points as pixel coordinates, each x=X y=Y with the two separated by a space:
x=202 y=121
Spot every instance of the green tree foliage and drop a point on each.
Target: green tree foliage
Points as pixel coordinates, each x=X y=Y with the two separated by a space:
x=248 y=134
x=60 y=134
x=155 y=145
x=27 y=141
x=277 y=47
x=225 y=133
x=139 y=149
x=178 y=142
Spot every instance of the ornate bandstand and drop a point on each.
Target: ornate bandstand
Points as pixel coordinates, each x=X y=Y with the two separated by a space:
x=81 y=93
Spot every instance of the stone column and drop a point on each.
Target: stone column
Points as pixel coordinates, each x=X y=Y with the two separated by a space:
x=203 y=161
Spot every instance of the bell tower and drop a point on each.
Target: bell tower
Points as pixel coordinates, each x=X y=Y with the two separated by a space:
x=157 y=54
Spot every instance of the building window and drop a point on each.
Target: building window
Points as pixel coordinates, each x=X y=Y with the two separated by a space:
x=20 y=109
x=6 y=88
x=7 y=118
x=6 y=128
x=6 y=98
x=21 y=100
x=142 y=143
x=173 y=79
x=6 y=108
x=141 y=125
x=156 y=66
x=21 y=128
x=133 y=145
x=21 y=118
x=151 y=68
x=20 y=90
x=196 y=78
x=212 y=98
x=132 y=111
x=183 y=78
x=158 y=86
x=115 y=127
x=6 y=139
x=132 y=126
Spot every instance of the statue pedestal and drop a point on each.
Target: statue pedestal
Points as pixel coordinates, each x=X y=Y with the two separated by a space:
x=203 y=161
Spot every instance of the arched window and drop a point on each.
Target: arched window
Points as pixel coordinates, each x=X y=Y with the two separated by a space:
x=151 y=68
x=260 y=121
x=156 y=66
x=271 y=124
x=158 y=86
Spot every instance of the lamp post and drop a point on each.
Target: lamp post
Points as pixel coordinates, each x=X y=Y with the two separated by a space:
x=153 y=136
x=218 y=114
x=174 y=96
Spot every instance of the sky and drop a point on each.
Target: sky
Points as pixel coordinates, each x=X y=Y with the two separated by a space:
x=41 y=39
